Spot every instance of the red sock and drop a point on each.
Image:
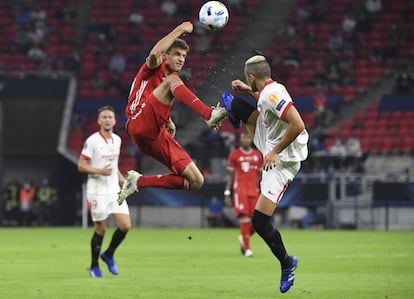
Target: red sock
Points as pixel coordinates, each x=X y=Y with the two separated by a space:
x=245 y=225
x=252 y=231
x=184 y=95
x=167 y=181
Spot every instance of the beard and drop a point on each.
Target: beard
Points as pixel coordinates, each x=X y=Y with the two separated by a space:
x=254 y=87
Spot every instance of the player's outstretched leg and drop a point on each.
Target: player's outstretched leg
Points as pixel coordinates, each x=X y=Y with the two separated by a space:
x=129 y=186
x=288 y=276
x=110 y=262
x=217 y=116
x=226 y=100
x=239 y=110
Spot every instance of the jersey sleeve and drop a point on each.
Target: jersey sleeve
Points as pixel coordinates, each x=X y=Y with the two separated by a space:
x=146 y=72
x=279 y=102
x=231 y=165
x=118 y=140
x=87 y=150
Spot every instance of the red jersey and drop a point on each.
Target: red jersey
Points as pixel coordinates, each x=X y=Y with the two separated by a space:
x=145 y=81
x=246 y=166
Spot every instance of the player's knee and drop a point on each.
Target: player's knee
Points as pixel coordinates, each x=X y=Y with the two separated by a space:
x=100 y=227
x=241 y=110
x=261 y=224
x=124 y=227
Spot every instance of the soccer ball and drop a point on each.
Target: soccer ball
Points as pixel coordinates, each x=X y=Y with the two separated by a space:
x=213 y=15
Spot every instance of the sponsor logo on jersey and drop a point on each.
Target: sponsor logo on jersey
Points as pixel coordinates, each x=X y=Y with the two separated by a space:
x=273 y=99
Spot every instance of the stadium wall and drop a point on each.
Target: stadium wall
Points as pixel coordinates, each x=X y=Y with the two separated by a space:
x=32 y=109
x=344 y=202
x=31 y=115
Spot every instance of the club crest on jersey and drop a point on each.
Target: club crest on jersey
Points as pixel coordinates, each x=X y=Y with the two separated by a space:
x=280 y=105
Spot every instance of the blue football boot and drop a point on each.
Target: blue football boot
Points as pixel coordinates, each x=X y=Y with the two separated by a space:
x=288 y=276
x=226 y=99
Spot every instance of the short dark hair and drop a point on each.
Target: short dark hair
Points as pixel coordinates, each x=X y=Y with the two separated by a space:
x=106 y=107
x=179 y=43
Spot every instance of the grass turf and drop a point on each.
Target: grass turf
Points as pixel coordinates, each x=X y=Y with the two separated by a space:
x=205 y=263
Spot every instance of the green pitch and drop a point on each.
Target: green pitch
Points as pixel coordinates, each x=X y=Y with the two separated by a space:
x=205 y=263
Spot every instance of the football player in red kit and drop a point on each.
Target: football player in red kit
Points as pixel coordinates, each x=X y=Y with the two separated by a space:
x=152 y=94
x=244 y=174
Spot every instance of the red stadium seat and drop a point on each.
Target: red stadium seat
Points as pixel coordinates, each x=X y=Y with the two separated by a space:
x=359 y=117
x=349 y=93
x=127 y=163
x=75 y=145
x=75 y=134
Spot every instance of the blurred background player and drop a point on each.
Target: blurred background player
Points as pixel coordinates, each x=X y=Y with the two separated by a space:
x=244 y=174
x=46 y=196
x=99 y=159
x=27 y=196
x=279 y=134
x=149 y=124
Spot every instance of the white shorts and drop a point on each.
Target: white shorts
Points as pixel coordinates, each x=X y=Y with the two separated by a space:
x=101 y=206
x=275 y=181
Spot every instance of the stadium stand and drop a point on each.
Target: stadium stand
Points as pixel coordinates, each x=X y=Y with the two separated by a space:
x=383 y=128
x=303 y=57
x=37 y=38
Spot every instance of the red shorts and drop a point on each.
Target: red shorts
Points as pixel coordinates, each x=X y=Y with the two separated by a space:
x=147 y=130
x=244 y=205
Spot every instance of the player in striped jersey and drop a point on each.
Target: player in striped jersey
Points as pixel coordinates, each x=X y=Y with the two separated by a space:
x=149 y=124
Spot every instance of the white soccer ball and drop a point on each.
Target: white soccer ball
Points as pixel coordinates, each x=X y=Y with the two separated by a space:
x=213 y=15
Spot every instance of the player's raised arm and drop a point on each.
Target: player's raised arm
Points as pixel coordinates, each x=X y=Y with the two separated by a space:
x=240 y=85
x=155 y=57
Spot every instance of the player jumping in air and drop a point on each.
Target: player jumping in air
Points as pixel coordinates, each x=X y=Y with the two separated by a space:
x=279 y=134
x=153 y=91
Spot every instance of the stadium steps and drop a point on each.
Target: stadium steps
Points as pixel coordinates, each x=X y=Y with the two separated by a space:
x=81 y=22
x=361 y=102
